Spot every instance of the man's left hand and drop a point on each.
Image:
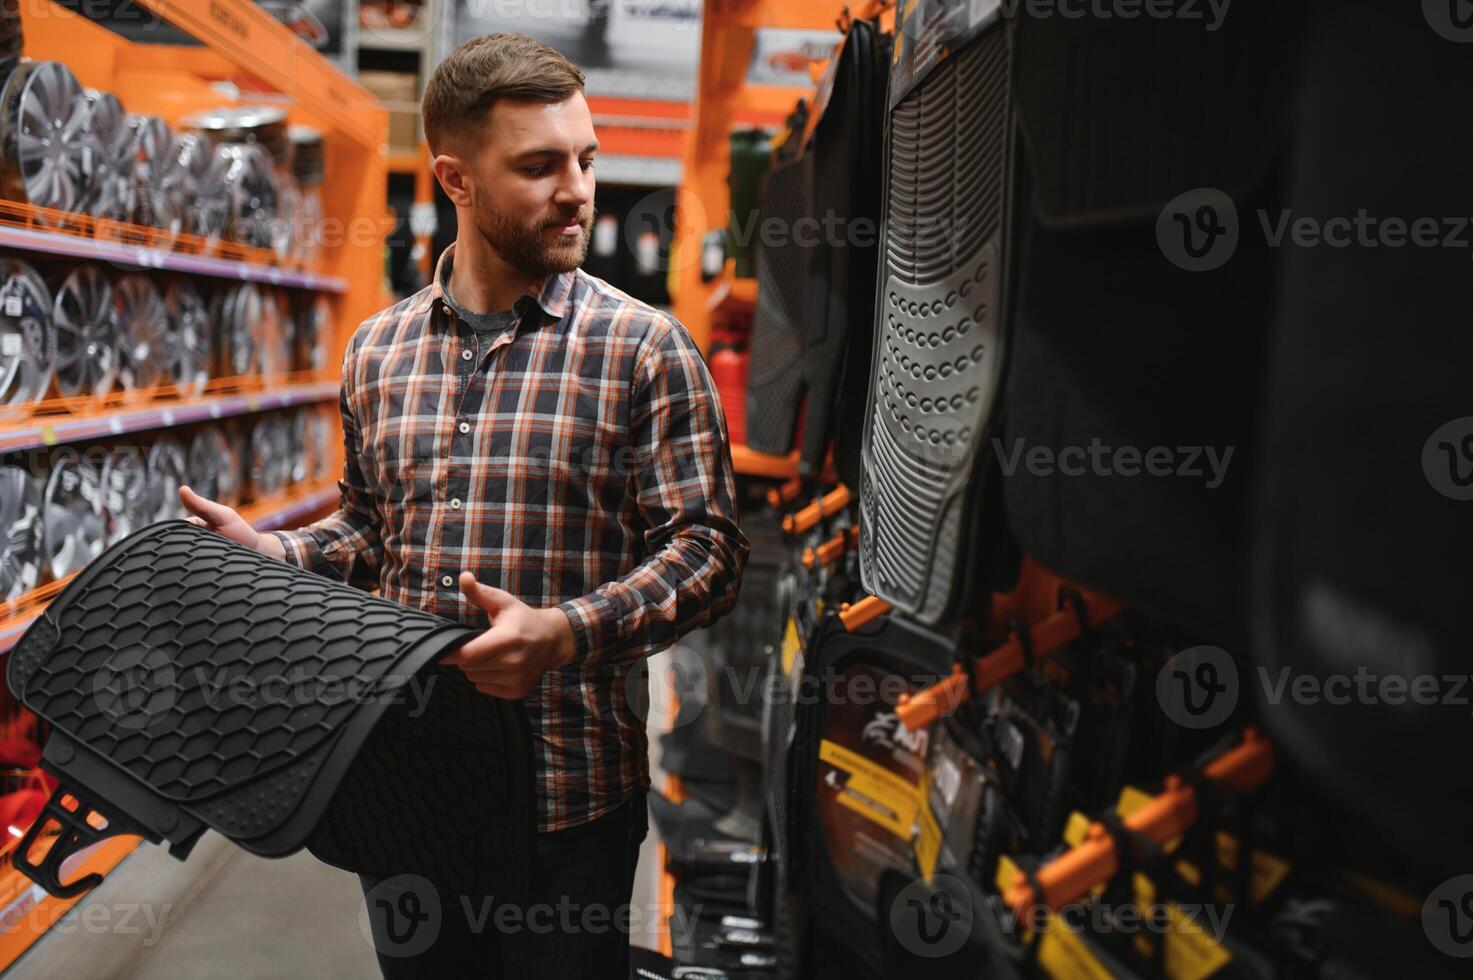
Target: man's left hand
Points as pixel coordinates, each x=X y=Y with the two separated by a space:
x=523 y=643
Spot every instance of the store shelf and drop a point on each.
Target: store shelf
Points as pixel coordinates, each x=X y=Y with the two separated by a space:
x=413 y=38
x=271 y=517
x=119 y=253
x=48 y=432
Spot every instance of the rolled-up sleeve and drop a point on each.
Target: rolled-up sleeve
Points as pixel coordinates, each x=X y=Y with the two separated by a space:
x=686 y=494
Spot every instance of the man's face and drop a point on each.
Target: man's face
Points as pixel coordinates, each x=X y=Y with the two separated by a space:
x=533 y=183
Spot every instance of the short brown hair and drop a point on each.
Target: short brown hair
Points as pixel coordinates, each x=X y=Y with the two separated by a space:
x=506 y=65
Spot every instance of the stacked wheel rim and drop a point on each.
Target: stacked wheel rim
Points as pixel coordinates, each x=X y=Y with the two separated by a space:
x=125 y=492
x=74 y=524
x=27 y=341
x=192 y=338
x=147 y=349
x=45 y=159
x=20 y=532
x=85 y=319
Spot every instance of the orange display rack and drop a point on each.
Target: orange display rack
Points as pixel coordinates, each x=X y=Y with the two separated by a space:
x=724 y=101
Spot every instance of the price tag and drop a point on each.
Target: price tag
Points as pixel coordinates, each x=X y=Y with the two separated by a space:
x=10 y=345
x=115 y=425
x=214 y=410
x=13 y=306
x=168 y=416
x=48 y=435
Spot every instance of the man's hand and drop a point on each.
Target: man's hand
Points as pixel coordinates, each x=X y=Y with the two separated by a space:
x=218 y=517
x=523 y=643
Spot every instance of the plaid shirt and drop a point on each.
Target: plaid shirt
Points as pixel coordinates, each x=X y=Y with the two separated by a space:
x=580 y=460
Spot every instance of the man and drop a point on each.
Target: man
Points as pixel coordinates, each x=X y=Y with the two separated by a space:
x=532 y=451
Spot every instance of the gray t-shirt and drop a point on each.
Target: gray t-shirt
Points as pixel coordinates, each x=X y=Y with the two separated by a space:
x=486 y=325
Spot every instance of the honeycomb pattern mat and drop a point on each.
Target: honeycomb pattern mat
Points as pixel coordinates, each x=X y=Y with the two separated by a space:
x=191 y=683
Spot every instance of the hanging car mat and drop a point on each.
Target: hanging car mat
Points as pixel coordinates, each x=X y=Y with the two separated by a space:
x=775 y=376
x=939 y=337
x=1109 y=142
x=156 y=669
x=738 y=651
x=1363 y=531
x=856 y=771
x=848 y=143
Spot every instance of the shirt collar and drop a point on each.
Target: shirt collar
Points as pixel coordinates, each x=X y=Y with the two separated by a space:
x=551 y=295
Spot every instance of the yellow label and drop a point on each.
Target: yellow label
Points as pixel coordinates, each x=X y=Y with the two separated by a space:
x=1268 y=870
x=1131 y=800
x=873 y=791
x=1191 y=952
x=1063 y=955
x=1007 y=871
x=928 y=840
x=48 y=435
x=1075 y=829
x=791 y=645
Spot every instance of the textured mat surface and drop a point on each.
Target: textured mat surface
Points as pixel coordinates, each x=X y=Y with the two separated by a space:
x=939 y=345
x=192 y=683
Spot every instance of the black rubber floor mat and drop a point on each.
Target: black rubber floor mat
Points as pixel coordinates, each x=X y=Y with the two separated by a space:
x=738 y=646
x=857 y=772
x=847 y=147
x=193 y=684
x=939 y=342
x=775 y=377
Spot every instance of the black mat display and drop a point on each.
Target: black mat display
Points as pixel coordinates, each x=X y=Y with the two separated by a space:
x=939 y=344
x=775 y=378
x=848 y=146
x=194 y=684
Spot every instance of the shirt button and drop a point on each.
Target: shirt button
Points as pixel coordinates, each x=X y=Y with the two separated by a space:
x=446 y=308
x=465 y=427
x=446 y=581
x=455 y=503
x=466 y=354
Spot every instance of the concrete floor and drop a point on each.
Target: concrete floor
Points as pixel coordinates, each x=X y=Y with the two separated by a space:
x=225 y=913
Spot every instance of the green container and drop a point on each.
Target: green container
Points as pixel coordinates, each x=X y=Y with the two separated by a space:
x=750 y=151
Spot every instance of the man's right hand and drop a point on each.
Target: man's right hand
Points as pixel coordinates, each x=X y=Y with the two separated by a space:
x=218 y=517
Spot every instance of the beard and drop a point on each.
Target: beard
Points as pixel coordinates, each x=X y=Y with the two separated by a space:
x=525 y=247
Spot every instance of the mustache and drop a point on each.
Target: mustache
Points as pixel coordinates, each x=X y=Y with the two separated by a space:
x=584 y=218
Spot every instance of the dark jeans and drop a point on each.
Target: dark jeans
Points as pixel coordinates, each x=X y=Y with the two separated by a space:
x=575 y=925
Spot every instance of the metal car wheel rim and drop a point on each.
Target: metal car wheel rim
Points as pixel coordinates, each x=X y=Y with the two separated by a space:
x=27 y=341
x=74 y=527
x=85 y=321
x=147 y=357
